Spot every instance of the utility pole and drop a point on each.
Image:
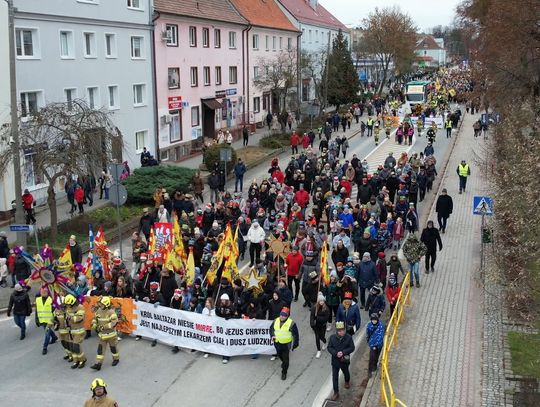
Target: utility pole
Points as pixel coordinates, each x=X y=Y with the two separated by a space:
x=14 y=141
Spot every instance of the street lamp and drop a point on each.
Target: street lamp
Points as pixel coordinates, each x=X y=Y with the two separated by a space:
x=15 y=142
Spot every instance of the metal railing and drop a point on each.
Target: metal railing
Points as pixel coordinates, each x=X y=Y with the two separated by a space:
x=388 y=397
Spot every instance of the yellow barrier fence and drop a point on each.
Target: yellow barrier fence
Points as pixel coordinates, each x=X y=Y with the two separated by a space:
x=388 y=397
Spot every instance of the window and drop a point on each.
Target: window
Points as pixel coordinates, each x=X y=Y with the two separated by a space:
x=70 y=95
x=256 y=105
x=174 y=78
x=110 y=45
x=309 y=35
x=305 y=90
x=274 y=43
x=195 y=117
x=136 y=4
x=89 y=45
x=25 y=42
x=139 y=94
x=267 y=40
x=171 y=31
x=205 y=37
x=233 y=75
x=92 y=96
x=32 y=174
x=194 y=76
x=192 y=36
x=137 y=47
x=255 y=41
x=67 y=47
x=280 y=43
x=140 y=140
x=256 y=72
x=218 y=75
x=114 y=102
x=217 y=38
x=316 y=35
x=175 y=132
x=206 y=75
x=29 y=103
x=289 y=43
x=232 y=39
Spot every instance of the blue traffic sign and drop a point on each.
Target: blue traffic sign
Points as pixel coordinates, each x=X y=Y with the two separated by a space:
x=21 y=228
x=483 y=205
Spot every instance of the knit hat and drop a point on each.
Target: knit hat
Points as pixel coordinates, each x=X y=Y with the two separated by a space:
x=18 y=287
x=392 y=280
x=321 y=297
x=380 y=255
x=366 y=254
x=374 y=316
x=224 y=297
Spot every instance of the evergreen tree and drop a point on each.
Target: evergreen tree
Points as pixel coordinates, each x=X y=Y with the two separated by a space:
x=342 y=82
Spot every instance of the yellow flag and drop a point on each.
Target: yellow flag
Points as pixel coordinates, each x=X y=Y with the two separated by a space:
x=178 y=241
x=64 y=261
x=190 y=268
x=325 y=276
x=230 y=271
x=151 y=242
x=173 y=261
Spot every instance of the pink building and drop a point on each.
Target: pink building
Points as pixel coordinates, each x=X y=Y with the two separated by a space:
x=199 y=72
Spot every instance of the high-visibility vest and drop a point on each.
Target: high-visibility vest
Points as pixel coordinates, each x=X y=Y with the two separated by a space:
x=44 y=310
x=370 y=122
x=463 y=170
x=282 y=332
x=448 y=124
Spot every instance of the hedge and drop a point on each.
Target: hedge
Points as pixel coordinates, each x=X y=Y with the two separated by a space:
x=144 y=181
x=275 y=141
x=212 y=156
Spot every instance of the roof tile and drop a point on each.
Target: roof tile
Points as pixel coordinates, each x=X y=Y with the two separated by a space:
x=303 y=12
x=264 y=13
x=218 y=10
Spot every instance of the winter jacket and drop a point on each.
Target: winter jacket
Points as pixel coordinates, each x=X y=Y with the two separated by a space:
x=350 y=316
x=321 y=318
x=367 y=274
x=395 y=266
x=375 y=334
x=331 y=293
x=392 y=293
x=76 y=253
x=340 y=255
x=294 y=262
x=413 y=249
x=19 y=303
x=375 y=304
x=274 y=308
x=344 y=344
x=307 y=267
x=145 y=224
x=444 y=206
x=21 y=268
x=430 y=237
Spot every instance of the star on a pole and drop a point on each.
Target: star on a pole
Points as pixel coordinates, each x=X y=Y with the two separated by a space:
x=251 y=280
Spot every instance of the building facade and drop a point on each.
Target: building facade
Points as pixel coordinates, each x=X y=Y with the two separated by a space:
x=430 y=52
x=96 y=50
x=199 y=71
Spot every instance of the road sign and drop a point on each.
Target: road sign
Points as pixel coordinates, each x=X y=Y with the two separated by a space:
x=118 y=194
x=483 y=205
x=225 y=154
x=21 y=228
x=116 y=171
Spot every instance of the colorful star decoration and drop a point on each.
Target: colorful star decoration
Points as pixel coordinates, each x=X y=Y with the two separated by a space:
x=252 y=281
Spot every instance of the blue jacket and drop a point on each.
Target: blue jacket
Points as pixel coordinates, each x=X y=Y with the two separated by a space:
x=375 y=334
x=351 y=317
x=375 y=304
x=367 y=274
x=240 y=169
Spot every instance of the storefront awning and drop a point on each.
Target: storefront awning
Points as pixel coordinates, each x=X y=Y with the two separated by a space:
x=212 y=104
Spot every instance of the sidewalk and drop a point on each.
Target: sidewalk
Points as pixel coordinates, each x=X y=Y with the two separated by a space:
x=438 y=357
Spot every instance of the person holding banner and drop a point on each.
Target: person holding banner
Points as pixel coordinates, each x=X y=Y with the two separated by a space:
x=284 y=333
x=226 y=309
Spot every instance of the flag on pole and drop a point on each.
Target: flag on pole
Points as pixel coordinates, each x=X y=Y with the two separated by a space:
x=190 y=267
x=102 y=253
x=151 y=242
x=64 y=261
x=178 y=242
x=230 y=271
x=325 y=276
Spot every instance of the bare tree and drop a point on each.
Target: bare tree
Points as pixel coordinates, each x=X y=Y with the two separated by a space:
x=279 y=75
x=65 y=139
x=312 y=66
x=390 y=36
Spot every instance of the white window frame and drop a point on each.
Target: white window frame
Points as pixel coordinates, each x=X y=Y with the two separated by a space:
x=217 y=38
x=267 y=42
x=32 y=186
x=280 y=43
x=207 y=80
x=289 y=43
x=178 y=116
x=256 y=72
x=142 y=50
x=173 y=28
x=217 y=74
x=255 y=41
x=93 y=45
x=198 y=110
x=143 y=95
x=131 y=7
x=256 y=104
x=72 y=96
x=206 y=37
x=116 y=96
x=194 y=76
x=36 y=49
x=232 y=69
x=274 y=42
x=138 y=148
x=39 y=100
x=232 y=39
x=94 y=2
x=70 y=43
x=192 y=34
x=97 y=97
x=114 y=48
x=168 y=76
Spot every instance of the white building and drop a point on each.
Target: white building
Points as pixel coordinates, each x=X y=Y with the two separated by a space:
x=430 y=52
x=96 y=50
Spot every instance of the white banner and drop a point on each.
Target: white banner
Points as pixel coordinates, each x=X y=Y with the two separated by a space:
x=427 y=122
x=207 y=334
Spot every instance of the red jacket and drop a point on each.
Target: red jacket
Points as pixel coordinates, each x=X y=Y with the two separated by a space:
x=294 y=262
x=79 y=195
x=277 y=174
x=301 y=197
x=305 y=141
x=27 y=200
x=295 y=140
x=398 y=231
x=392 y=293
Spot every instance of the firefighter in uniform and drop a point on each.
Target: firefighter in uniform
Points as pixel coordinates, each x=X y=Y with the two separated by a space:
x=377 y=131
x=99 y=395
x=104 y=323
x=75 y=319
x=419 y=126
x=60 y=323
x=388 y=127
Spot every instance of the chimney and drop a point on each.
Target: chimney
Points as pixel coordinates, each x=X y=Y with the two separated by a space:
x=313 y=4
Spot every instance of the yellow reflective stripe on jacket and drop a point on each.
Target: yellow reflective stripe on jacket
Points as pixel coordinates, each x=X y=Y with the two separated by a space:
x=106 y=336
x=78 y=331
x=282 y=332
x=44 y=310
x=463 y=170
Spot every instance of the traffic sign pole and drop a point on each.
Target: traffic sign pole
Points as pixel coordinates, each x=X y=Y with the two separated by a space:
x=118 y=197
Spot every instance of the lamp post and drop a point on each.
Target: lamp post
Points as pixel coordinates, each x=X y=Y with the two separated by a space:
x=14 y=141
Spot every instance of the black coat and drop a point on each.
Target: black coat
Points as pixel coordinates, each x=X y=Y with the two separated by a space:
x=19 y=303
x=444 y=206
x=76 y=253
x=275 y=307
x=21 y=268
x=430 y=237
x=337 y=344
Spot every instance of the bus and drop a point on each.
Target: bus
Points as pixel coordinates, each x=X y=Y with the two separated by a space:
x=416 y=92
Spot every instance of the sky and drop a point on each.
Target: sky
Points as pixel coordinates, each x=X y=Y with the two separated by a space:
x=425 y=13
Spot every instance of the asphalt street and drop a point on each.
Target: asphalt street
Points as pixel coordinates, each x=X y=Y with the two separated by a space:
x=149 y=376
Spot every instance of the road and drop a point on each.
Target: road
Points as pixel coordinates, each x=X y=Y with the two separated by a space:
x=164 y=379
